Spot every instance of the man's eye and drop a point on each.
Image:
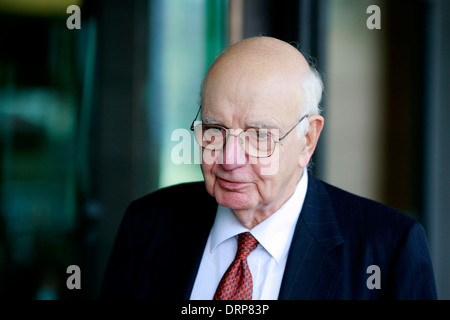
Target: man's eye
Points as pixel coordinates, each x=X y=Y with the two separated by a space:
x=262 y=134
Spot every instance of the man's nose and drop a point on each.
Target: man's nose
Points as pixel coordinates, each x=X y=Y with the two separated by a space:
x=233 y=154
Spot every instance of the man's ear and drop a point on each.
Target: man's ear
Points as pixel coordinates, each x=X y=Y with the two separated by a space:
x=311 y=138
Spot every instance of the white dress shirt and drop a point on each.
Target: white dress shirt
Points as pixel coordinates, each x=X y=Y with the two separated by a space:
x=267 y=262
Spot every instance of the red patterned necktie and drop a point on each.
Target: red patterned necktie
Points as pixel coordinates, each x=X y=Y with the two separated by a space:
x=237 y=283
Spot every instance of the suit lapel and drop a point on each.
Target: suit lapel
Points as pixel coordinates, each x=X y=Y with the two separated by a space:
x=311 y=270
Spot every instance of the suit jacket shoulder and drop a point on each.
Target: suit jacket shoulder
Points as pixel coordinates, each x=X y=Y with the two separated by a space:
x=370 y=235
x=160 y=233
x=365 y=216
x=164 y=205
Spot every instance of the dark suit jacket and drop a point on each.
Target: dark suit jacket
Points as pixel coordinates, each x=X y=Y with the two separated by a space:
x=161 y=239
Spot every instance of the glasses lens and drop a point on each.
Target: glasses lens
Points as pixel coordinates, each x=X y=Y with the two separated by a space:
x=258 y=142
x=209 y=137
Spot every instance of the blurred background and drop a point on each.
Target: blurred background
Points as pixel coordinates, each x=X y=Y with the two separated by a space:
x=87 y=116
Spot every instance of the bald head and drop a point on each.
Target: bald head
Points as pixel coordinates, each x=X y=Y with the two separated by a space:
x=263 y=54
x=264 y=65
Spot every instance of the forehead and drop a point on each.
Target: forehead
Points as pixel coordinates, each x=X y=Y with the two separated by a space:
x=252 y=91
x=241 y=116
x=247 y=102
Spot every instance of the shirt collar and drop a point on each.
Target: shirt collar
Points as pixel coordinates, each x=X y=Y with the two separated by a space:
x=274 y=233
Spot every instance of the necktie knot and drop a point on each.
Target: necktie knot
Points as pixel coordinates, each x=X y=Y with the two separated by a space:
x=237 y=283
x=246 y=244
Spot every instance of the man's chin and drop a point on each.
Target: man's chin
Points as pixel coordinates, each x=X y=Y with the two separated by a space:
x=234 y=200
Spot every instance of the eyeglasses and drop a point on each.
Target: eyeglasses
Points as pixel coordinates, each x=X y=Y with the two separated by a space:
x=259 y=143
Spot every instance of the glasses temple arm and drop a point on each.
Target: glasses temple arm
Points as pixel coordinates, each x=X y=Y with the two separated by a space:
x=192 y=125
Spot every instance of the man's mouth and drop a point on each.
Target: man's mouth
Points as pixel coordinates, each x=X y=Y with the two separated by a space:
x=231 y=185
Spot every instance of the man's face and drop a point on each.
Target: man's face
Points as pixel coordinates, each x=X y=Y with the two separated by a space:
x=242 y=99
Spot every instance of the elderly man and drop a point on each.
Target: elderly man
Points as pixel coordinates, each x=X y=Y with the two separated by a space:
x=264 y=227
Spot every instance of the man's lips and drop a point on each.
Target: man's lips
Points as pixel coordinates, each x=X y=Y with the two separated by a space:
x=231 y=185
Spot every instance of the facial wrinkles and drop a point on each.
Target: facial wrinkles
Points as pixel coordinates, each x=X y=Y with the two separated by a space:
x=240 y=116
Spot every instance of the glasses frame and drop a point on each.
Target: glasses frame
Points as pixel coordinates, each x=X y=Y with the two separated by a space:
x=228 y=134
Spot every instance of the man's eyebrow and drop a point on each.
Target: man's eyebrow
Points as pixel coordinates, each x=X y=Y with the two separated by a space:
x=261 y=125
x=208 y=120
